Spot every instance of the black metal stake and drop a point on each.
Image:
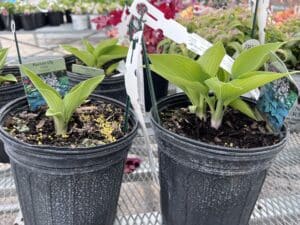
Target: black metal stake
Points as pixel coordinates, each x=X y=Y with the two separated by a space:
x=13 y=29
x=150 y=82
x=254 y=19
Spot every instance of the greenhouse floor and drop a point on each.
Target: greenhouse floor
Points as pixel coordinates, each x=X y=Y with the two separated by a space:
x=279 y=202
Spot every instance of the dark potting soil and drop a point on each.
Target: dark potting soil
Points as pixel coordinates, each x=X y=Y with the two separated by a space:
x=236 y=131
x=93 y=123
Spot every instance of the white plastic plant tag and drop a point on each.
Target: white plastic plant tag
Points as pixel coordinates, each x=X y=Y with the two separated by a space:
x=134 y=65
x=175 y=31
x=262 y=16
x=123 y=26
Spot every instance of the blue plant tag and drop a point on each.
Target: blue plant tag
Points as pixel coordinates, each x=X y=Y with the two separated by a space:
x=277 y=99
x=53 y=72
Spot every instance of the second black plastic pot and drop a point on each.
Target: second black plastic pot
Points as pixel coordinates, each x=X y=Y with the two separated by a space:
x=112 y=87
x=7 y=94
x=67 y=186
x=203 y=184
x=28 y=21
x=6 y=21
x=160 y=88
x=68 y=16
x=55 y=18
x=40 y=19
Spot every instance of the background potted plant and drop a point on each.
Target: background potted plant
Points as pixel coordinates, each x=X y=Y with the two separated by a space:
x=96 y=9
x=7 y=13
x=28 y=15
x=76 y=154
x=10 y=89
x=105 y=55
x=79 y=16
x=214 y=148
x=55 y=13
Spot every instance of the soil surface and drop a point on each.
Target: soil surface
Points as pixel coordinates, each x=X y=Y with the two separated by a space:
x=93 y=123
x=236 y=131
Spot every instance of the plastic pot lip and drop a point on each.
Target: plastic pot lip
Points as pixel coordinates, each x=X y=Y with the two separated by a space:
x=65 y=150
x=107 y=79
x=221 y=150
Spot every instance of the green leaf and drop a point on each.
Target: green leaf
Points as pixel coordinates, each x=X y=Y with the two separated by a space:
x=86 y=57
x=51 y=96
x=246 y=83
x=210 y=61
x=114 y=53
x=104 y=46
x=8 y=78
x=79 y=94
x=223 y=90
x=253 y=58
x=111 y=69
x=3 y=55
x=178 y=66
x=243 y=107
x=89 y=47
x=183 y=72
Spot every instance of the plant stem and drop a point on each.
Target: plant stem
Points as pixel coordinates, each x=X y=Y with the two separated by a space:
x=60 y=126
x=201 y=109
x=217 y=116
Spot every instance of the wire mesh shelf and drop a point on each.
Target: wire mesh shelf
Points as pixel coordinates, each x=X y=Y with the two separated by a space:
x=278 y=204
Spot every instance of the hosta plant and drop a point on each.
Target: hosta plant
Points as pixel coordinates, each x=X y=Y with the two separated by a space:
x=62 y=109
x=100 y=55
x=212 y=90
x=8 y=77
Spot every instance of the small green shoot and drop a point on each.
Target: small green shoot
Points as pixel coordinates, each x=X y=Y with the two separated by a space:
x=62 y=109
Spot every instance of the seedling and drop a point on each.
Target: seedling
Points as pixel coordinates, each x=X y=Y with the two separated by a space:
x=101 y=54
x=62 y=109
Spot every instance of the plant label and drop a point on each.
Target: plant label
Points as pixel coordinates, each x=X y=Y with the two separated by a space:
x=53 y=72
x=277 y=99
x=87 y=71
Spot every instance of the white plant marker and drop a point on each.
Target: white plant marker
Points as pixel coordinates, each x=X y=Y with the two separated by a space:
x=134 y=72
x=262 y=16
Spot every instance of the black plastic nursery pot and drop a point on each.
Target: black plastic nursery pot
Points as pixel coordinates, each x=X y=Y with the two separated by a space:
x=68 y=16
x=112 y=87
x=6 y=21
x=160 y=88
x=7 y=94
x=40 y=19
x=28 y=21
x=2 y=26
x=65 y=186
x=203 y=184
x=55 y=18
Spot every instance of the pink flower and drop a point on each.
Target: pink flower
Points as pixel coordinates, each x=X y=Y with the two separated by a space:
x=101 y=22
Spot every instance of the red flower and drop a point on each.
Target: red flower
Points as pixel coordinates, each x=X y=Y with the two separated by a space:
x=114 y=17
